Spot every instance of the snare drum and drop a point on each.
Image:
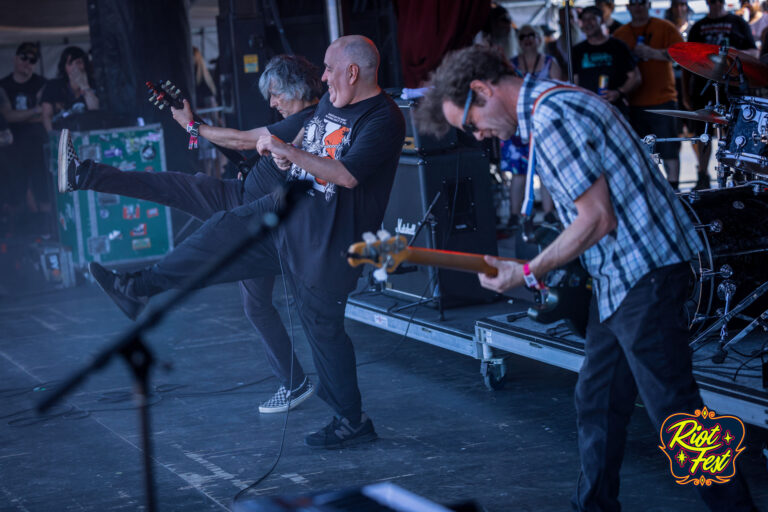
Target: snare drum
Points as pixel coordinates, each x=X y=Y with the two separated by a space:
x=746 y=145
x=731 y=224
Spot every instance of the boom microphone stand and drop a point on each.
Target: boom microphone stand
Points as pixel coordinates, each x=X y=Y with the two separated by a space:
x=131 y=347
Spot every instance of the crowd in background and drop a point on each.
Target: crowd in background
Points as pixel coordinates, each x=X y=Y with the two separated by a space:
x=628 y=66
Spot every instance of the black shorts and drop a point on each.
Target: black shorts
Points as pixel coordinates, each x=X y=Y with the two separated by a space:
x=646 y=123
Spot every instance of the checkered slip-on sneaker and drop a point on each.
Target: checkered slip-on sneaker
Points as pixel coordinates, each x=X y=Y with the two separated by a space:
x=340 y=433
x=68 y=162
x=283 y=400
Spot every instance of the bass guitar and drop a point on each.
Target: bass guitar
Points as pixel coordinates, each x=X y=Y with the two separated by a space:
x=166 y=94
x=565 y=296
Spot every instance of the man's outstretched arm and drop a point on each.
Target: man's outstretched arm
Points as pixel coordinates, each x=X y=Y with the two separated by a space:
x=224 y=137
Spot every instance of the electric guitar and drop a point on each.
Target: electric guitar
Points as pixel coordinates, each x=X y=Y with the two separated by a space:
x=166 y=94
x=566 y=295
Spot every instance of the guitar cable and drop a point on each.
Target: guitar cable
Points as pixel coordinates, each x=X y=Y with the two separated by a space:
x=397 y=345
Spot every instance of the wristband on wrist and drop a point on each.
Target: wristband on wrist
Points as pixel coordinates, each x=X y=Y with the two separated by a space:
x=530 y=279
x=193 y=128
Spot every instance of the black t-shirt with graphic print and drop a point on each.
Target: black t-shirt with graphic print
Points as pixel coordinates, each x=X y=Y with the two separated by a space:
x=265 y=176
x=367 y=137
x=729 y=29
x=612 y=59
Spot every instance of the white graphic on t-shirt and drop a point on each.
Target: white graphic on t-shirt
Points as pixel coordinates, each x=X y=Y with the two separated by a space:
x=326 y=138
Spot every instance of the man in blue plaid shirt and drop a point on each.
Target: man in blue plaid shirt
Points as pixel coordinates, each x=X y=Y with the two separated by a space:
x=623 y=219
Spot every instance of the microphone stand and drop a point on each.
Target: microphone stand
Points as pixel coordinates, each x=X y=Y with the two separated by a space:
x=131 y=347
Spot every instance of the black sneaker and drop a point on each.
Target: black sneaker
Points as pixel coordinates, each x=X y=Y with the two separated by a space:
x=68 y=162
x=284 y=400
x=340 y=433
x=119 y=287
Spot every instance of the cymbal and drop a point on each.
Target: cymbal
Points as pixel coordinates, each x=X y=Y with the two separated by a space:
x=706 y=60
x=705 y=114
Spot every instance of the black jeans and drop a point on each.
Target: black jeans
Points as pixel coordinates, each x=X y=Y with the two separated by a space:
x=642 y=347
x=227 y=212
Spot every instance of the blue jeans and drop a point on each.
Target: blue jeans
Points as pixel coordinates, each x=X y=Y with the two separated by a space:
x=642 y=347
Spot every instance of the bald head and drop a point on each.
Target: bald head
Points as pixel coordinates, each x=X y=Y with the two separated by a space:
x=351 y=65
x=361 y=51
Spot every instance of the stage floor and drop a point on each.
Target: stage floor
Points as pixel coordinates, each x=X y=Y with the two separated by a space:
x=443 y=435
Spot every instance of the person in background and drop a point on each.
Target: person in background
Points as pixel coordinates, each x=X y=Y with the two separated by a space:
x=205 y=97
x=514 y=151
x=719 y=27
x=679 y=14
x=26 y=181
x=558 y=47
x=649 y=39
x=499 y=31
x=606 y=8
x=72 y=90
x=603 y=64
x=757 y=18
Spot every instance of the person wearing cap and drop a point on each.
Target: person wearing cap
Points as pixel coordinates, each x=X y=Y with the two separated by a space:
x=27 y=183
x=606 y=9
x=649 y=38
x=603 y=64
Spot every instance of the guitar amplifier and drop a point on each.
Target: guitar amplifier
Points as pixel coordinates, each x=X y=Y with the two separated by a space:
x=463 y=221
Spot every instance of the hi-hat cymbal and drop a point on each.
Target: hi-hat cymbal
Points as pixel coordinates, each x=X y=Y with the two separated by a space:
x=705 y=114
x=708 y=61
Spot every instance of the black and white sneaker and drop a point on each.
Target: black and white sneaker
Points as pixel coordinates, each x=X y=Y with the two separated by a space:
x=284 y=400
x=119 y=287
x=340 y=433
x=68 y=162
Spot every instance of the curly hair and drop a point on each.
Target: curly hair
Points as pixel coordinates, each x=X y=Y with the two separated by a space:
x=450 y=82
x=293 y=76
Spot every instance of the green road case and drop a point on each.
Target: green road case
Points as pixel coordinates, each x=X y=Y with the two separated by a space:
x=105 y=227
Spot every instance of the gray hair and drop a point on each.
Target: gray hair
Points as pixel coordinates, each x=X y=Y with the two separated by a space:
x=293 y=76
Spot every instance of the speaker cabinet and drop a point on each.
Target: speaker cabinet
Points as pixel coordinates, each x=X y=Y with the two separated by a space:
x=463 y=220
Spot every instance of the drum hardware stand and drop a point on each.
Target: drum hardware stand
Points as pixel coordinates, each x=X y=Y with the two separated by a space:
x=723 y=321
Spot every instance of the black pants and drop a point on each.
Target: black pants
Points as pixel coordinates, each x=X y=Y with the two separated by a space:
x=227 y=211
x=642 y=347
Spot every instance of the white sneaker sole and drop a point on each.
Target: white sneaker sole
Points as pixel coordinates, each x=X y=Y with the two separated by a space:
x=63 y=161
x=294 y=403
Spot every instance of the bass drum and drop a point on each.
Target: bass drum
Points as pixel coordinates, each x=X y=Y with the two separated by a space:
x=731 y=224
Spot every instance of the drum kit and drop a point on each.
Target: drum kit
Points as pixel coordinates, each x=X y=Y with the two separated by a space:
x=730 y=275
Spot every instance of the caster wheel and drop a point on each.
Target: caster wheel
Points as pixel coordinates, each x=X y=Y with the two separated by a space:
x=495 y=378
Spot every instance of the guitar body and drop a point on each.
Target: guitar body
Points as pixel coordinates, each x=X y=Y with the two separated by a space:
x=566 y=297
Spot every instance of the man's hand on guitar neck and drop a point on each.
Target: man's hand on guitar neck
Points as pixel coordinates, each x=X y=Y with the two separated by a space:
x=510 y=275
x=183 y=116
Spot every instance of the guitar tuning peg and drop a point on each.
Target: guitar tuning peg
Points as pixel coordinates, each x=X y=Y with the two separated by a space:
x=369 y=237
x=380 y=274
x=153 y=97
x=161 y=106
x=167 y=83
x=383 y=235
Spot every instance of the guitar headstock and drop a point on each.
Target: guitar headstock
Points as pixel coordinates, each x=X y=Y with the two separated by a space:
x=384 y=252
x=164 y=94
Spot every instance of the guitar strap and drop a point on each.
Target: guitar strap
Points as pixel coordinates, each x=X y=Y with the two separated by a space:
x=527 y=209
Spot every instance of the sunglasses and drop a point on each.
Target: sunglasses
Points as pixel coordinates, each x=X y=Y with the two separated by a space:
x=468 y=127
x=523 y=37
x=28 y=58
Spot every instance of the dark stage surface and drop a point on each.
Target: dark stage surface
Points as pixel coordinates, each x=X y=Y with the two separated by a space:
x=442 y=434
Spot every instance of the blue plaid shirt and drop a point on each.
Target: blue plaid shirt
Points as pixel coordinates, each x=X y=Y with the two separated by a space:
x=579 y=137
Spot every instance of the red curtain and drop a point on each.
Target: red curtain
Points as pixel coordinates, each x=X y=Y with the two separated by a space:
x=428 y=29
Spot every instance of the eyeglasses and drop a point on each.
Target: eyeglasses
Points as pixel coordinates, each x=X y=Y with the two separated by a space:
x=468 y=127
x=29 y=58
x=525 y=36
